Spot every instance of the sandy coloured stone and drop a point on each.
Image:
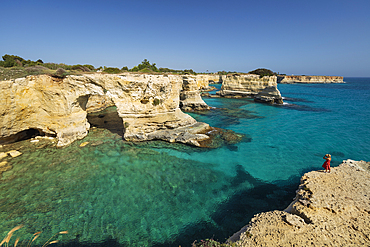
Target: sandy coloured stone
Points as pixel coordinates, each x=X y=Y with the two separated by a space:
x=330 y=209
x=3 y=155
x=289 y=79
x=84 y=144
x=4 y=166
x=262 y=89
x=3 y=163
x=14 y=153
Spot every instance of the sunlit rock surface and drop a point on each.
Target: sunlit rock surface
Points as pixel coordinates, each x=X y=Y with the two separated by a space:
x=190 y=99
x=262 y=89
x=147 y=104
x=289 y=79
x=330 y=209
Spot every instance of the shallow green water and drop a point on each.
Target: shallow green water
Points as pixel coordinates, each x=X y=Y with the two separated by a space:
x=117 y=190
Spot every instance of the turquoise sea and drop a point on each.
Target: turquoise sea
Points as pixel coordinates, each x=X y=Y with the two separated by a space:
x=116 y=193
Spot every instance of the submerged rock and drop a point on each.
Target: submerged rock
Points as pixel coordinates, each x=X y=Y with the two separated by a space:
x=4 y=166
x=14 y=153
x=221 y=137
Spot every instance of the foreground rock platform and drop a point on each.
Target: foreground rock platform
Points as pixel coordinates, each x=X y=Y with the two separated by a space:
x=330 y=209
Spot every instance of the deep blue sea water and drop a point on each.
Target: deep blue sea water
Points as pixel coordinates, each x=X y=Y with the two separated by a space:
x=115 y=193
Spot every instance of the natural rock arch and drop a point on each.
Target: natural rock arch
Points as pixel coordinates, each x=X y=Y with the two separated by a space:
x=147 y=104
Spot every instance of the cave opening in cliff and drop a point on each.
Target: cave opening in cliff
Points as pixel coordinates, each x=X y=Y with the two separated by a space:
x=107 y=119
x=24 y=135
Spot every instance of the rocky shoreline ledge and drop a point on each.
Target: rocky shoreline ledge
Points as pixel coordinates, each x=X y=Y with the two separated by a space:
x=290 y=79
x=330 y=209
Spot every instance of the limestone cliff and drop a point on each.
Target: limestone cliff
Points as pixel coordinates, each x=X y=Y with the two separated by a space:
x=330 y=209
x=204 y=80
x=289 y=79
x=147 y=104
x=190 y=99
x=262 y=89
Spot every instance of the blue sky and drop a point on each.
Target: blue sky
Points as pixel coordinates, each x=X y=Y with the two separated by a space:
x=325 y=37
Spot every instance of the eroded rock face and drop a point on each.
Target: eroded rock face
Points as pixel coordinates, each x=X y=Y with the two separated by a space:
x=262 y=89
x=147 y=104
x=190 y=99
x=330 y=209
x=289 y=79
x=203 y=81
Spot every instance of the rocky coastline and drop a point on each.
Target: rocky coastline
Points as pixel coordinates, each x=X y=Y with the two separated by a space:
x=290 y=79
x=147 y=104
x=330 y=209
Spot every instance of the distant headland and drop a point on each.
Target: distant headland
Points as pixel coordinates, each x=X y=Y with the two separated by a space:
x=290 y=79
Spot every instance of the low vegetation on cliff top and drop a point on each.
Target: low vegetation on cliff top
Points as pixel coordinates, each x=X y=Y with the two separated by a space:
x=12 y=67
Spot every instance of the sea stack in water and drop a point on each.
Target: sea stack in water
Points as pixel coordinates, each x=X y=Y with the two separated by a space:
x=262 y=89
x=190 y=99
x=147 y=104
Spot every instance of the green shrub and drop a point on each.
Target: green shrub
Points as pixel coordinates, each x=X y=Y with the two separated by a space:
x=146 y=70
x=90 y=67
x=80 y=67
x=61 y=73
x=112 y=70
x=36 y=70
x=157 y=102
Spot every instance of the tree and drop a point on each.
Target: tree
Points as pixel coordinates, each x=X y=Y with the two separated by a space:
x=145 y=64
x=11 y=60
x=262 y=72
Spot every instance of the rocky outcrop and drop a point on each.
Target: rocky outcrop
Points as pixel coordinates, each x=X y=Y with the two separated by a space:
x=190 y=99
x=203 y=81
x=261 y=89
x=330 y=209
x=290 y=79
x=147 y=104
x=270 y=95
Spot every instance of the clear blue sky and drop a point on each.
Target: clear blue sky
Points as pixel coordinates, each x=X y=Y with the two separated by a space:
x=324 y=37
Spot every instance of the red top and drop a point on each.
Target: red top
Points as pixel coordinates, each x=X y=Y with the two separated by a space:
x=326 y=164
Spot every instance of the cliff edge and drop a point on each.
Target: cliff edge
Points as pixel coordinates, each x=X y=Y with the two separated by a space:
x=147 y=104
x=330 y=209
x=290 y=79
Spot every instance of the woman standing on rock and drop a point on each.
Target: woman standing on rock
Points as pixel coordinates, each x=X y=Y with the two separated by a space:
x=326 y=164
